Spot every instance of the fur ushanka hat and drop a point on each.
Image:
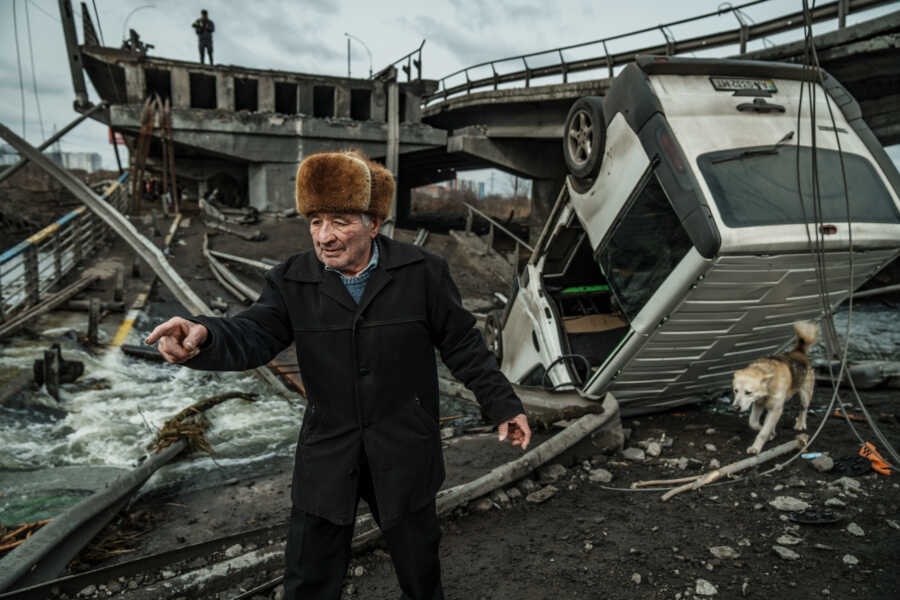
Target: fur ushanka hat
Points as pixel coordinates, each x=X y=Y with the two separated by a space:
x=343 y=182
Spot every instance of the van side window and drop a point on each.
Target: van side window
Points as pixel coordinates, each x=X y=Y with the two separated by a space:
x=645 y=247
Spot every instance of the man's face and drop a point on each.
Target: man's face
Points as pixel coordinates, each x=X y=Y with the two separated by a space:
x=342 y=240
x=203 y=13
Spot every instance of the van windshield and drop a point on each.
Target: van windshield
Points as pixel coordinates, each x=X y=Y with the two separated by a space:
x=759 y=186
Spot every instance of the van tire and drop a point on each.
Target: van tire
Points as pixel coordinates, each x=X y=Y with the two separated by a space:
x=584 y=137
x=493 y=333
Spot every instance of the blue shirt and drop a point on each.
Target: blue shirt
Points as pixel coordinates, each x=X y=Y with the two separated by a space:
x=357 y=285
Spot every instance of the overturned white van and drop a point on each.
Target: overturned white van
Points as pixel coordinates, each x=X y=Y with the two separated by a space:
x=692 y=233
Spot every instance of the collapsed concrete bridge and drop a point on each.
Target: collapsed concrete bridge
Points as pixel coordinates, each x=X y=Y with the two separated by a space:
x=251 y=127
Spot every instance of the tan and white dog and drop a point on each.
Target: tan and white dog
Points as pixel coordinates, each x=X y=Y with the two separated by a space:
x=768 y=383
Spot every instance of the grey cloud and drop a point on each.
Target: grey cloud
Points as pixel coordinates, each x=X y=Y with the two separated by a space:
x=468 y=47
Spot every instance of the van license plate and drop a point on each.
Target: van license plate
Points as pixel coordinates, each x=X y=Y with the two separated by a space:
x=736 y=84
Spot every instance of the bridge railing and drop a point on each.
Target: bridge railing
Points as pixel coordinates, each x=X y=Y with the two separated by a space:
x=33 y=266
x=559 y=66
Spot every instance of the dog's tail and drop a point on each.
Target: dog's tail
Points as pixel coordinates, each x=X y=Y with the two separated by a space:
x=807 y=334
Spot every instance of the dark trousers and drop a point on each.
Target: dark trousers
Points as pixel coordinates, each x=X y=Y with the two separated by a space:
x=318 y=552
x=208 y=47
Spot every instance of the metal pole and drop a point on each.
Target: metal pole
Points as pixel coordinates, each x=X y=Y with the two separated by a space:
x=23 y=161
x=348 y=56
x=67 y=18
x=392 y=156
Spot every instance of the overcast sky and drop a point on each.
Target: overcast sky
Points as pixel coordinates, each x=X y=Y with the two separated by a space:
x=308 y=37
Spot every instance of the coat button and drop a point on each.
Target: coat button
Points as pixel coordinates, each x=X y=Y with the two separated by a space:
x=352 y=472
x=364 y=371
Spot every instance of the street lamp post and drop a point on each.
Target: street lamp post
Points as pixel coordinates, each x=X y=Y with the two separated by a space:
x=125 y=22
x=369 y=52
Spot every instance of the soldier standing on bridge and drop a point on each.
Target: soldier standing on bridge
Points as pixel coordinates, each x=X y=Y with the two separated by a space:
x=204 y=28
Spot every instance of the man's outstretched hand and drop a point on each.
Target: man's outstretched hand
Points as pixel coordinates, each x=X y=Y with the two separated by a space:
x=515 y=429
x=179 y=339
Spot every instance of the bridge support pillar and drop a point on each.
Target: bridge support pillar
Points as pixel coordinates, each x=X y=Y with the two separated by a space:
x=271 y=186
x=543 y=196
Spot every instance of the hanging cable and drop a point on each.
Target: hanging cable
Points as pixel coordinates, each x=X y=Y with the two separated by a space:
x=99 y=28
x=19 y=62
x=37 y=99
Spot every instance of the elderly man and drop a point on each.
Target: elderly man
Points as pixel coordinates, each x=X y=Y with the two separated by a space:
x=365 y=313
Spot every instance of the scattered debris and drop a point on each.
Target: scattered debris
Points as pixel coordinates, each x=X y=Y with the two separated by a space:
x=250 y=236
x=704 y=588
x=144 y=352
x=635 y=454
x=822 y=464
x=789 y=504
x=785 y=553
x=542 y=495
x=724 y=552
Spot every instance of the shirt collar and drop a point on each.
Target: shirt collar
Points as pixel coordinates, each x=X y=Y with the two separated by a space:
x=373 y=262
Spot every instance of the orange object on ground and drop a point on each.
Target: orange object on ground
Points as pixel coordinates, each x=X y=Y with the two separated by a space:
x=838 y=413
x=879 y=465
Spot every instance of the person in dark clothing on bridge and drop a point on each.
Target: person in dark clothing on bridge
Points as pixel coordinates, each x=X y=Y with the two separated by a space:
x=204 y=28
x=365 y=313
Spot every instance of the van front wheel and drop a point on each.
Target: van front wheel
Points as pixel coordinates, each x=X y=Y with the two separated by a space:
x=584 y=137
x=493 y=334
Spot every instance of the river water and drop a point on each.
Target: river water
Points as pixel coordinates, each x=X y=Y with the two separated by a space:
x=114 y=409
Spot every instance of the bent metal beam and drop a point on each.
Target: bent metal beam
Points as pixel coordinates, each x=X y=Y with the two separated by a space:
x=116 y=221
x=144 y=248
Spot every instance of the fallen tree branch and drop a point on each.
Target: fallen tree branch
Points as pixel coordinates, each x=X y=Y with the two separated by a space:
x=740 y=465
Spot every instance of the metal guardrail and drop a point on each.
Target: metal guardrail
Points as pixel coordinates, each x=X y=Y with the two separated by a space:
x=489 y=242
x=407 y=63
x=33 y=266
x=746 y=31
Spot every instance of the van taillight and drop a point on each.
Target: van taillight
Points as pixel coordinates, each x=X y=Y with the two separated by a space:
x=827 y=229
x=672 y=152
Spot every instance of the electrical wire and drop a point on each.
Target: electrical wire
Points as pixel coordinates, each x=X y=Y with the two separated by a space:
x=37 y=99
x=817 y=247
x=99 y=28
x=830 y=334
x=19 y=62
x=40 y=8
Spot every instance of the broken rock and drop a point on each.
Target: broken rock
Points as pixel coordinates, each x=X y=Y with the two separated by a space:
x=785 y=553
x=788 y=503
x=724 y=552
x=704 y=588
x=542 y=495
x=600 y=476
x=552 y=472
x=822 y=464
x=788 y=540
x=635 y=454
x=483 y=504
x=854 y=529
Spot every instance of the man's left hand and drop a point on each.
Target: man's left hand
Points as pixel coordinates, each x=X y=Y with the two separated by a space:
x=516 y=429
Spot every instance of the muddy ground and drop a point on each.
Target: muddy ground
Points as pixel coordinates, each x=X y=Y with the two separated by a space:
x=590 y=539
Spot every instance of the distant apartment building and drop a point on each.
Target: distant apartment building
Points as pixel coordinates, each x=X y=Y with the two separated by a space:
x=85 y=161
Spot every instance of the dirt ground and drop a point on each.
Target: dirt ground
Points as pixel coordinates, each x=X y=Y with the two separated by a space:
x=596 y=540
x=591 y=539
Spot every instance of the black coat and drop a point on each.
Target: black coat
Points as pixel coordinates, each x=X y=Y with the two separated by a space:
x=369 y=370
